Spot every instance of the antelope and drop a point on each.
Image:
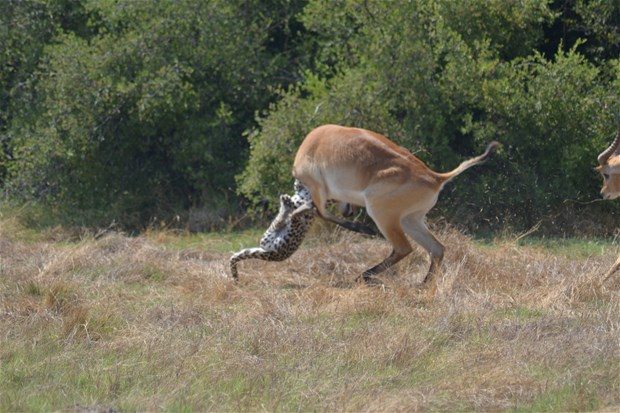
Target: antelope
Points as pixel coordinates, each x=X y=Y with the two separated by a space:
x=363 y=168
x=609 y=167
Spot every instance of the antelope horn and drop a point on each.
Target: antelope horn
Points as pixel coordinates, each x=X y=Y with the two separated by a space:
x=606 y=154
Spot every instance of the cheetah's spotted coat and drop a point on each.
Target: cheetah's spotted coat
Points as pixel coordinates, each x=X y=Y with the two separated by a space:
x=285 y=233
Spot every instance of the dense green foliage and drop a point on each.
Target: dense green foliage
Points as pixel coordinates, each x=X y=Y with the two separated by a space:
x=147 y=114
x=128 y=110
x=443 y=78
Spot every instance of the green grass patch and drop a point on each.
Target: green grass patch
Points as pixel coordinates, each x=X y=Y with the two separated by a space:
x=518 y=313
x=213 y=241
x=153 y=273
x=568 y=397
x=33 y=289
x=568 y=247
x=571 y=247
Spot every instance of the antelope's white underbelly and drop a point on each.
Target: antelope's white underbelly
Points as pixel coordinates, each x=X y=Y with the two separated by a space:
x=339 y=189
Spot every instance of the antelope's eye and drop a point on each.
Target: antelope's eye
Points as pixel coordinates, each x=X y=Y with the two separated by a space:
x=606 y=176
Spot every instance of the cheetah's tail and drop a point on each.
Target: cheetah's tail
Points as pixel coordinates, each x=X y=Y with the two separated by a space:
x=245 y=254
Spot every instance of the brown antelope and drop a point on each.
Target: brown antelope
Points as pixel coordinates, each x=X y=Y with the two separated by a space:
x=609 y=167
x=363 y=168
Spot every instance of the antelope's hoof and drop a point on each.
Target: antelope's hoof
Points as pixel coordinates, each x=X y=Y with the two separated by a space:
x=369 y=280
x=362 y=278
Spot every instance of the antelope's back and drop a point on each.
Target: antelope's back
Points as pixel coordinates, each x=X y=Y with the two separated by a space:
x=343 y=157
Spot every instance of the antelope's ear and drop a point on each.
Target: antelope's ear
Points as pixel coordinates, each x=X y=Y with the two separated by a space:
x=598 y=168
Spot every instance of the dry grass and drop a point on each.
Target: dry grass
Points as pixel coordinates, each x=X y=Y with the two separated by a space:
x=140 y=323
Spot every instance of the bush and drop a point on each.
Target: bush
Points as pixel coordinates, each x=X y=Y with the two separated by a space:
x=444 y=94
x=134 y=111
x=147 y=117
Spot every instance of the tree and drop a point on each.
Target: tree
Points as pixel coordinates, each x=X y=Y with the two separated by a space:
x=147 y=116
x=442 y=79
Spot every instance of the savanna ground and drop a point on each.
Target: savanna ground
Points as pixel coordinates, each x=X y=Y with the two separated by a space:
x=152 y=322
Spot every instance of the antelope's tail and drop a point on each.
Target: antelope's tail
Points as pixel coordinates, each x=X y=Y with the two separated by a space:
x=448 y=176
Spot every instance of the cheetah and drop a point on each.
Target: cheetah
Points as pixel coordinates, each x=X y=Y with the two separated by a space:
x=286 y=232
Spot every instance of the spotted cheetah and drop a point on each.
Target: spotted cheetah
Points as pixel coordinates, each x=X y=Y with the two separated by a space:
x=286 y=232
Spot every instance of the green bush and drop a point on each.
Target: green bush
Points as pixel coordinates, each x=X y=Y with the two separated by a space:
x=147 y=117
x=138 y=110
x=426 y=82
x=26 y=26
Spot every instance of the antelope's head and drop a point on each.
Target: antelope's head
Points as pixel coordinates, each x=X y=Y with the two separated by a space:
x=609 y=167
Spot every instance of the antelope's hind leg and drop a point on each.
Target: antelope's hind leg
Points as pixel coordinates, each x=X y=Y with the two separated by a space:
x=612 y=270
x=416 y=228
x=390 y=227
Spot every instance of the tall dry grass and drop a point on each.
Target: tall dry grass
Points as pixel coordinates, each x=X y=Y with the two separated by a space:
x=133 y=323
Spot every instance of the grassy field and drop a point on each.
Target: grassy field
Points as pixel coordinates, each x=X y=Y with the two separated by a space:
x=152 y=322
